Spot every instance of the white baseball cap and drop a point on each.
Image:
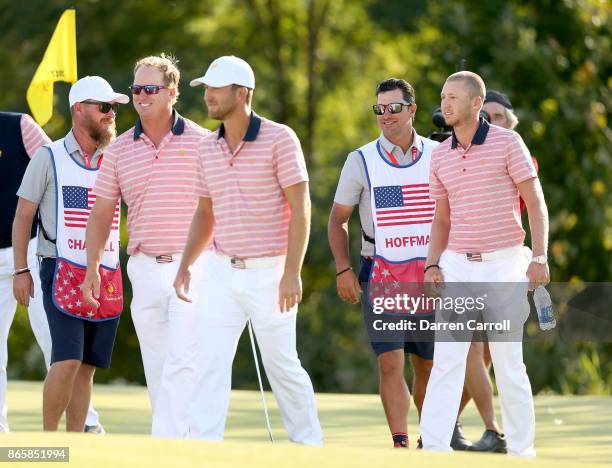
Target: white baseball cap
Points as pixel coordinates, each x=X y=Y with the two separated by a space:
x=226 y=71
x=95 y=88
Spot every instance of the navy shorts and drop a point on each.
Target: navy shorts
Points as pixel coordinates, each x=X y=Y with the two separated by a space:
x=397 y=339
x=73 y=338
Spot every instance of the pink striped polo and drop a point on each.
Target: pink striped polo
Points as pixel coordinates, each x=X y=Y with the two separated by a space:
x=246 y=187
x=480 y=183
x=33 y=136
x=157 y=184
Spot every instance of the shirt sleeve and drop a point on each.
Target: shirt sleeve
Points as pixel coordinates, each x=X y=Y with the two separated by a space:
x=351 y=183
x=289 y=159
x=519 y=162
x=37 y=176
x=107 y=182
x=32 y=135
x=437 y=191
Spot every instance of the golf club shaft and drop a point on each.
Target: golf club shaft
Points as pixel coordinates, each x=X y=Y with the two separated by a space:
x=263 y=398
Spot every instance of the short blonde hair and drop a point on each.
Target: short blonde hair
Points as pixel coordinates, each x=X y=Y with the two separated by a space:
x=474 y=83
x=166 y=64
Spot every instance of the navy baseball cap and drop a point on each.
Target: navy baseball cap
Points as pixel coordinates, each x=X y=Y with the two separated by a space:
x=500 y=98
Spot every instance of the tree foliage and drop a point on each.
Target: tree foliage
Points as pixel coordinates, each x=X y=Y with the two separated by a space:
x=317 y=63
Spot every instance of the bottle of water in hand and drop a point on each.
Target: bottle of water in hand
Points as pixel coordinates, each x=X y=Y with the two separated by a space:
x=543 y=305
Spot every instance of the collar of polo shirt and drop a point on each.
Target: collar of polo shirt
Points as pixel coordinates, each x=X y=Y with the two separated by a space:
x=252 y=130
x=178 y=125
x=479 y=137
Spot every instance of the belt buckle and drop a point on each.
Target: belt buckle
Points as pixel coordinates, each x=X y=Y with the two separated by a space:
x=164 y=259
x=238 y=263
x=474 y=257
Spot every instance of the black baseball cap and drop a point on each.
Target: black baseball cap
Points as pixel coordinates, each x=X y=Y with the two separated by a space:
x=500 y=98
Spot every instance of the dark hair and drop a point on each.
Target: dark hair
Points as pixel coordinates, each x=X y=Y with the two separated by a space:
x=395 y=83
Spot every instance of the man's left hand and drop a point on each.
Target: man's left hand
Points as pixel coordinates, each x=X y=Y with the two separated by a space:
x=538 y=274
x=289 y=292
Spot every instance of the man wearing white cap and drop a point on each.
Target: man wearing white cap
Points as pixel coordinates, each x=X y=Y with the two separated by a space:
x=153 y=167
x=254 y=189
x=58 y=183
x=20 y=137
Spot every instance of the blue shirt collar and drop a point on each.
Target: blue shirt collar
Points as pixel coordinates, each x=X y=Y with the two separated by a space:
x=479 y=137
x=178 y=125
x=252 y=130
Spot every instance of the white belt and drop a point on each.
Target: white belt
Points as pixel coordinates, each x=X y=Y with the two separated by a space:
x=164 y=258
x=251 y=263
x=495 y=255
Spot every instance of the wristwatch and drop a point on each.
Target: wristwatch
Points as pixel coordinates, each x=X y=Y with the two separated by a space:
x=541 y=259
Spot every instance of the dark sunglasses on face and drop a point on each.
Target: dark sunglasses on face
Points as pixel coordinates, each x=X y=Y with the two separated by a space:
x=393 y=108
x=104 y=107
x=148 y=89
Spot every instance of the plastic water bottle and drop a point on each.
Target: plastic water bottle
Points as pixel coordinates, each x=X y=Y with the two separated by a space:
x=543 y=305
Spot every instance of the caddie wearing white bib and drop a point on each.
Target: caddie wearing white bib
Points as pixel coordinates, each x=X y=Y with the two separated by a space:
x=82 y=337
x=388 y=178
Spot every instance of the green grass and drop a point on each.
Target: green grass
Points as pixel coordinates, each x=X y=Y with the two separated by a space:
x=571 y=431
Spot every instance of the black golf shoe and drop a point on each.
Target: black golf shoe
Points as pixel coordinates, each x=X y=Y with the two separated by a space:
x=459 y=442
x=490 y=441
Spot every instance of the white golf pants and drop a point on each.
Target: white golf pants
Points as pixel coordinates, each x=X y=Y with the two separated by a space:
x=445 y=385
x=166 y=329
x=230 y=297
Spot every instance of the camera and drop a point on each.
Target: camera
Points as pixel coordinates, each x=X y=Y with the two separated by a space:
x=444 y=131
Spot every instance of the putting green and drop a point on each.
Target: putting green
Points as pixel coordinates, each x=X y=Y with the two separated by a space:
x=571 y=431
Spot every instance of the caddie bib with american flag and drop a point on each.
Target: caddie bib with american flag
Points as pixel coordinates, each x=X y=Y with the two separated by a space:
x=402 y=213
x=75 y=200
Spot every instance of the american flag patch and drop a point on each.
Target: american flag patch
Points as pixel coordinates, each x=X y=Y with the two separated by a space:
x=398 y=205
x=78 y=202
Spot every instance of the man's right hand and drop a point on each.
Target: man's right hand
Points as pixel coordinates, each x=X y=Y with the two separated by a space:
x=23 y=288
x=91 y=287
x=348 y=287
x=434 y=281
x=182 y=282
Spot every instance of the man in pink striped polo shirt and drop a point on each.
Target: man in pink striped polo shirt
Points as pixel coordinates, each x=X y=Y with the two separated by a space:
x=153 y=167
x=476 y=177
x=254 y=189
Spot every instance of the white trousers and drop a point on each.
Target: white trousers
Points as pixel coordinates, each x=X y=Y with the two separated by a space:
x=166 y=329
x=38 y=322
x=445 y=386
x=229 y=298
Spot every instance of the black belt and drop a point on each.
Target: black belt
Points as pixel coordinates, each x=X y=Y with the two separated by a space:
x=367 y=238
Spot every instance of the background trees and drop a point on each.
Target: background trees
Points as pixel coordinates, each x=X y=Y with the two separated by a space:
x=317 y=63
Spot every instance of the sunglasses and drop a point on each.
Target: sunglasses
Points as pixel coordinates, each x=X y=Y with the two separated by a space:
x=104 y=107
x=148 y=89
x=393 y=108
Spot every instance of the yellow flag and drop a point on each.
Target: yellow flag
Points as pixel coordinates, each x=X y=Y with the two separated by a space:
x=58 y=64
